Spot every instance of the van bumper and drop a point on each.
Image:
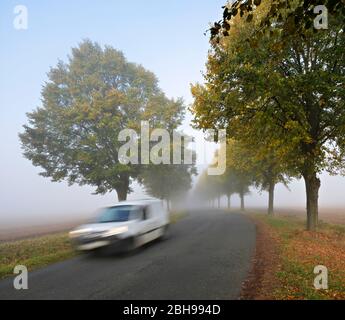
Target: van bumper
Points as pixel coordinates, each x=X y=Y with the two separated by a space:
x=112 y=243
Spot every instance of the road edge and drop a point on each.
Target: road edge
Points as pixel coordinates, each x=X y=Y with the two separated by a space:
x=261 y=280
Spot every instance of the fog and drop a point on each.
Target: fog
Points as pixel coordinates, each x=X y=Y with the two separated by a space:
x=28 y=199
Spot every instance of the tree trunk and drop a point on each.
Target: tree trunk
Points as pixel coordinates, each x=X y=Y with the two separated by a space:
x=242 y=201
x=122 y=189
x=229 y=201
x=218 y=202
x=271 y=198
x=168 y=204
x=312 y=185
x=121 y=194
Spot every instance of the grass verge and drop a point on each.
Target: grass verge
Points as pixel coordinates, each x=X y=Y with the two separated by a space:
x=177 y=215
x=299 y=251
x=44 y=250
x=34 y=253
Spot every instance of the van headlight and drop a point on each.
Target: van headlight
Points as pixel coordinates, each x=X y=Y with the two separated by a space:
x=115 y=231
x=79 y=232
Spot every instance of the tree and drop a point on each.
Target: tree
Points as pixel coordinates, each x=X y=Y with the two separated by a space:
x=234 y=180
x=260 y=161
x=209 y=188
x=240 y=182
x=237 y=178
x=289 y=16
x=86 y=102
x=170 y=181
x=205 y=189
x=228 y=185
x=287 y=89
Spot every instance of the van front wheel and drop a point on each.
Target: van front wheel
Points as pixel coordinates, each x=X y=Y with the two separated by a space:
x=133 y=243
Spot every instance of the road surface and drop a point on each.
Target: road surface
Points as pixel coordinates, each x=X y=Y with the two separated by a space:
x=206 y=256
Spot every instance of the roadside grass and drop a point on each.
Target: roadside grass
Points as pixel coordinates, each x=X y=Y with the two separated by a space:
x=177 y=216
x=34 y=253
x=300 y=251
x=42 y=251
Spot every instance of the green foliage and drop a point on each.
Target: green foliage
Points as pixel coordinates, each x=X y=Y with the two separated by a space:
x=234 y=180
x=170 y=181
x=86 y=102
x=290 y=17
x=280 y=93
x=258 y=160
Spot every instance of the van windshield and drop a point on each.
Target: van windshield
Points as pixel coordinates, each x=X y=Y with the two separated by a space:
x=118 y=214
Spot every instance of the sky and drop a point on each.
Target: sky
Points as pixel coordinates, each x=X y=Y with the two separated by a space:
x=166 y=38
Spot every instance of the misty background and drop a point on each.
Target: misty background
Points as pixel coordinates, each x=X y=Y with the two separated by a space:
x=169 y=43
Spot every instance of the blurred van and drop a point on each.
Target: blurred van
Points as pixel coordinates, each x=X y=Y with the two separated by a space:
x=125 y=226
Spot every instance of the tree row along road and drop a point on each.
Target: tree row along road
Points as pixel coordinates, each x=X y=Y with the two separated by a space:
x=206 y=256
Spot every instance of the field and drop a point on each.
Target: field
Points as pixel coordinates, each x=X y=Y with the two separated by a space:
x=33 y=253
x=326 y=214
x=28 y=232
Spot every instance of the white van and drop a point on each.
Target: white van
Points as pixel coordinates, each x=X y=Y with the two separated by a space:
x=127 y=225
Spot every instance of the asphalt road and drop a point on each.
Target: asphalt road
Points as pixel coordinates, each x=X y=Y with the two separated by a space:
x=206 y=256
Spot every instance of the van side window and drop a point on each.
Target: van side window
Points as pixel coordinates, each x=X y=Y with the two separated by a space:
x=136 y=214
